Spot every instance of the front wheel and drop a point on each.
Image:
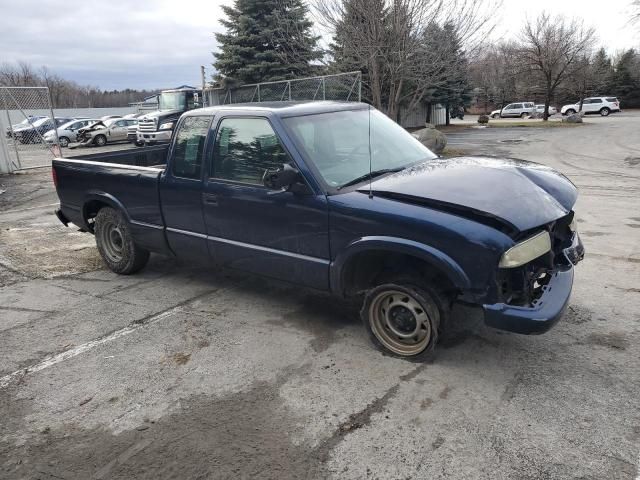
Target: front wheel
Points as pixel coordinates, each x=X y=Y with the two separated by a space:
x=524 y=115
x=570 y=112
x=100 y=141
x=403 y=319
x=495 y=115
x=605 y=112
x=115 y=243
x=64 y=141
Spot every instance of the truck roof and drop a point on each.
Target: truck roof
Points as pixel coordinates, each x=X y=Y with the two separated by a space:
x=282 y=109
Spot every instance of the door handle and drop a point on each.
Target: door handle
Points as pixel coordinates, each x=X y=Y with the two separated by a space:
x=210 y=198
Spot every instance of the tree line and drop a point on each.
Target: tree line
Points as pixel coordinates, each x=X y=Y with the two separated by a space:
x=66 y=93
x=553 y=62
x=414 y=52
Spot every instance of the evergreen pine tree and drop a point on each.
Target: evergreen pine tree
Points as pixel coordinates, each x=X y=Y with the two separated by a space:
x=265 y=40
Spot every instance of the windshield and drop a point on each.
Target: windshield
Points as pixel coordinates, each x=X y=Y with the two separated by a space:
x=41 y=122
x=172 y=101
x=338 y=144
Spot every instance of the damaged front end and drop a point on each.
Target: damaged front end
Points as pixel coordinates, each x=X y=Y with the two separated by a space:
x=532 y=296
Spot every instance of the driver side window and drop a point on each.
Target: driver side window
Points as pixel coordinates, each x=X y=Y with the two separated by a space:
x=245 y=148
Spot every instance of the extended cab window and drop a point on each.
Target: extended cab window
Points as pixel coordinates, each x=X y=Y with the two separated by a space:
x=189 y=145
x=245 y=148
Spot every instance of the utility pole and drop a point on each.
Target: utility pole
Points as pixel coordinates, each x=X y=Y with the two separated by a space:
x=203 y=85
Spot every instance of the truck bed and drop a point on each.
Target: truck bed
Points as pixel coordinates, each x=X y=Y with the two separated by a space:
x=125 y=180
x=155 y=156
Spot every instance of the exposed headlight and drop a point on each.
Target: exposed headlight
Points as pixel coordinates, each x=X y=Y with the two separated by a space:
x=526 y=250
x=166 y=126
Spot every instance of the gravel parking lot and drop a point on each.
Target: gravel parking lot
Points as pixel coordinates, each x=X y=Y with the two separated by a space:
x=185 y=372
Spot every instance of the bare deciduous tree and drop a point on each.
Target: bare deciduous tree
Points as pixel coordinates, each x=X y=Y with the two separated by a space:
x=388 y=40
x=553 y=47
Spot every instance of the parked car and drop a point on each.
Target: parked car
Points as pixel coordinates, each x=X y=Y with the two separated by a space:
x=110 y=117
x=68 y=132
x=520 y=109
x=34 y=132
x=107 y=131
x=24 y=123
x=602 y=105
x=552 y=110
x=302 y=192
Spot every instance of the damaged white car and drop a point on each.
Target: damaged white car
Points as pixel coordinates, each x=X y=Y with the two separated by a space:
x=107 y=131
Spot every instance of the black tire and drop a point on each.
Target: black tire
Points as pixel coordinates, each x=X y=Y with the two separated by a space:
x=115 y=243
x=604 y=111
x=495 y=115
x=571 y=111
x=100 y=141
x=524 y=115
x=64 y=141
x=403 y=292
x=138 y=143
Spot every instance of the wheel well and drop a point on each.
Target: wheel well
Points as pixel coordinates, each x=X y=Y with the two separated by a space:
x=366 y=269
x=91 y=209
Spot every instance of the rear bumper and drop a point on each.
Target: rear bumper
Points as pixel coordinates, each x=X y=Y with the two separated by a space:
x=62 y=217
x=548 y=309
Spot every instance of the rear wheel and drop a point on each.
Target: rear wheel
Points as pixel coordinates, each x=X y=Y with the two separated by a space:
x=604 y=111
x=115 y=243
x=403 y=318
x=100 y=141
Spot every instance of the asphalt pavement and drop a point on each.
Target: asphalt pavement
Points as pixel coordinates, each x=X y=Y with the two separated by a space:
x=183 y=372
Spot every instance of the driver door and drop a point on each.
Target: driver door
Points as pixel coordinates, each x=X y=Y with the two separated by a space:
x=280 y=234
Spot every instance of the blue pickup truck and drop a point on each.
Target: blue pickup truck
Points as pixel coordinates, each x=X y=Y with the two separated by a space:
x=337 y=197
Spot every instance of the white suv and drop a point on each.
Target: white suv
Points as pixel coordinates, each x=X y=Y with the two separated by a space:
x=521 y=109
x=602 y=105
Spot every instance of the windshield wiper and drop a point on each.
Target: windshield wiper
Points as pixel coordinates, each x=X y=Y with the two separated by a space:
x=370 y=175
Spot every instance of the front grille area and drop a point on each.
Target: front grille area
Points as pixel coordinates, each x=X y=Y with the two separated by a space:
x=523 y=286
x=147 y=125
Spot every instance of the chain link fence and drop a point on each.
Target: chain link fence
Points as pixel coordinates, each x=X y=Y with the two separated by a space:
x=26 y=115
x=345 y=87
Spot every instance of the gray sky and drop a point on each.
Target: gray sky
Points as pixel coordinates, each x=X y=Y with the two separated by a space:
x=162 y=43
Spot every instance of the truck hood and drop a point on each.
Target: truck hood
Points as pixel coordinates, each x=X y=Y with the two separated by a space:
x=512 y=195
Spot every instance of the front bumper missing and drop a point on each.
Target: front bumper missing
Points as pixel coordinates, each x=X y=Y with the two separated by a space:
x=548 y=309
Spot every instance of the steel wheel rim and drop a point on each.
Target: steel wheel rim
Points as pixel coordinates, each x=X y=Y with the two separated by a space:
x=400 y=322
x=113 y=241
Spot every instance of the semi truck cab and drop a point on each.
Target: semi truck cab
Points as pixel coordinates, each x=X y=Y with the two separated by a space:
x=157 y=127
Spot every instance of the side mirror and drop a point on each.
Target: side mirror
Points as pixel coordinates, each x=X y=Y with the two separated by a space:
x=280 y=179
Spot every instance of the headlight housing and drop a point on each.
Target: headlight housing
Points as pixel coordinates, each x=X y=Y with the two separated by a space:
x=166 y=126
x=573 y=226
x=527 y=250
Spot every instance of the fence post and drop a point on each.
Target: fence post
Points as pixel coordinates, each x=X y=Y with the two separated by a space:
x=5 y=160
x=57 y=151
x=13 y=137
